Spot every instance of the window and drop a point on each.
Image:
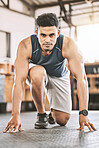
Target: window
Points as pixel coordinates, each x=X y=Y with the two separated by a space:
x=4 y=44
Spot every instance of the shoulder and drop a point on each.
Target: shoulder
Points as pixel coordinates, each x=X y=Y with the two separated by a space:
x=25 y=48
x=70 y=49
x=69 y=42
x=26 y=43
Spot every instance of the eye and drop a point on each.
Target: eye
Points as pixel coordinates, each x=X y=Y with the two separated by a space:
x=43 y=35
x=51 y=35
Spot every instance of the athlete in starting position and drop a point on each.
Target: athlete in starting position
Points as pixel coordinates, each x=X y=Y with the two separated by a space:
x=42 y=59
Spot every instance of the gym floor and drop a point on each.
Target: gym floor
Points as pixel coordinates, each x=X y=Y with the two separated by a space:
x=54 y=136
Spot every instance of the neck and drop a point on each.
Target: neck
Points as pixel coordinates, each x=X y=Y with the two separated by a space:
x=46 y=52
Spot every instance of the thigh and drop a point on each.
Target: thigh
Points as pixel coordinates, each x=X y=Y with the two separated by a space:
x=59 y=92
x=36 y=72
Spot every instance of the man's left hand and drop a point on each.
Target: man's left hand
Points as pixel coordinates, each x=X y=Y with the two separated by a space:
x=83 y=121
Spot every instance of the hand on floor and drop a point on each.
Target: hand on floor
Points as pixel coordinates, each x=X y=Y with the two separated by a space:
x=14 y=125
x=83 y=121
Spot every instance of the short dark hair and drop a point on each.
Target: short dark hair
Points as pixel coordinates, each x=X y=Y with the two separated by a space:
x=47 y=19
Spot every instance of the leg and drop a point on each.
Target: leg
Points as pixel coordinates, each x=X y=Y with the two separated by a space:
x=60 y=98
x=60 y=117
x=37 y=76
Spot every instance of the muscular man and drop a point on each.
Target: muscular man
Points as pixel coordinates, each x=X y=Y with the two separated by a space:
x=42 y=59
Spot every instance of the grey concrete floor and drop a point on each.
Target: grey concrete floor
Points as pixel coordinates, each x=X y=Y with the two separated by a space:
x=54 y=136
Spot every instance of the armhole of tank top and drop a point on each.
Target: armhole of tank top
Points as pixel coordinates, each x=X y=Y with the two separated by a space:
x=32 y=42
x=32 y=46
x=62 y=41
x=61 y=44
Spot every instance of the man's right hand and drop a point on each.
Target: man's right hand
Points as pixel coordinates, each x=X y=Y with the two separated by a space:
x=14 y=125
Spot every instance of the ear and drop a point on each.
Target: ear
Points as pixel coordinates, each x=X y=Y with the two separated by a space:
x=36 y=31
x=58 y=33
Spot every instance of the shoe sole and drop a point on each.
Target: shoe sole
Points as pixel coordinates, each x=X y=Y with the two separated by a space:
x=51 y=122
x=40 y=127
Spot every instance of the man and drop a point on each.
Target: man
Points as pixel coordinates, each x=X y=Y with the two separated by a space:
x=42 y=58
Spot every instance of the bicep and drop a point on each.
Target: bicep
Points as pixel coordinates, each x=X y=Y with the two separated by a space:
x=76 y=66
x=21 y=69
x=21 y=64
x=74 y=57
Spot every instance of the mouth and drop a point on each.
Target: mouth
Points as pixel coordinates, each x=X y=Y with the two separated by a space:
x=47 y=44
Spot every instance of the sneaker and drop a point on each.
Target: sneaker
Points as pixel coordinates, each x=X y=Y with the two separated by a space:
x=51 y=119
x=42 y=121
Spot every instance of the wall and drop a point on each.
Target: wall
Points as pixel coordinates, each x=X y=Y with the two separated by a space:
x=20 y=26
x=2 y=44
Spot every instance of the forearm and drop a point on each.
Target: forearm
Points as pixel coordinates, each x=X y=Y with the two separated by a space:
x=83 y=95
x=17 y=95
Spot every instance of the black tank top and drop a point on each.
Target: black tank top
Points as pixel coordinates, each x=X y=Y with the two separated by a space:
x=54 y=63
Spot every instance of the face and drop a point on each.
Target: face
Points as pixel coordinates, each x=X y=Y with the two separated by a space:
x=47 y=37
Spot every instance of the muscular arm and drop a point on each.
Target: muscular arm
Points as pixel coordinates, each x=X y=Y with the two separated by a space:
x=21 y=73
x=76 y=66
x=82 y=86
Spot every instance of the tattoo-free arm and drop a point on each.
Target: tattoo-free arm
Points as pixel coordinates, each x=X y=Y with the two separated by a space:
x=76 y=66
x=21 y=73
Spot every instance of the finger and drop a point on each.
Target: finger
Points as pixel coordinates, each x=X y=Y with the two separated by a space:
x=15 y=130
x=92 y=126
x=88 y=125
x=19 y=128
x=10 y=128
x=4 y=131
x=82 y=126
x=7 y=127
x=79 y=128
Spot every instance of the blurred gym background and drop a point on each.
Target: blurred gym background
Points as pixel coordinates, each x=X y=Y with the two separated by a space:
x=79 y=19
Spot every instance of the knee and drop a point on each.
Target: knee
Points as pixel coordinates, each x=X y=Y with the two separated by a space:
x=62 y=121
x=37 y=73
x=62 y=118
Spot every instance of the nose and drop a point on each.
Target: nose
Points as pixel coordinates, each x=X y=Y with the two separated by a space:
x=47 y=39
